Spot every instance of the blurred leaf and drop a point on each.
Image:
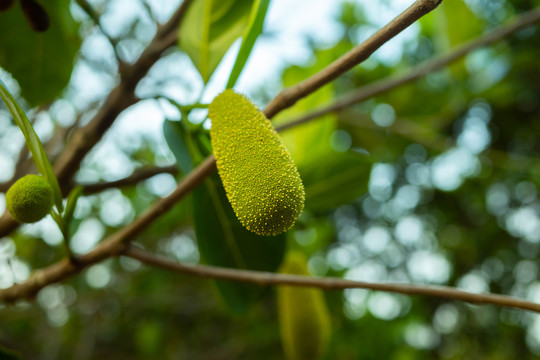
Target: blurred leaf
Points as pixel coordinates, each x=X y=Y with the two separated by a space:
x=258 y=14
x=303 y=315
x=334 y=180
x=210 y=28
x=33 y=143
x=461 y=25
x=148 y=337
x=175 y=136
x=312 y=139
x=71 y=205
x=8 y=354
x=41 y=62
x=223 y=241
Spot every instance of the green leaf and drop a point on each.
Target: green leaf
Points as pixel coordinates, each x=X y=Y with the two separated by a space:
x=210 y=28
x=71 y=204
x=8 y=354
x=41 y=62
x=223 y=241
x=255 y=28
x=33 y=143
x=334 y=179
x=459 y=25
x=175 y=136
x=310 y=140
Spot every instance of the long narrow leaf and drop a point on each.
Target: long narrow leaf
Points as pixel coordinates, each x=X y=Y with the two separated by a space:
x=223 y=241
x=255 y=28
x=33 y=143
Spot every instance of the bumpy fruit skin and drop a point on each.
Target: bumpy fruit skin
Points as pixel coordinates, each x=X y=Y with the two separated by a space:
x=257 y=172
x=30 y=199
x=303 y=315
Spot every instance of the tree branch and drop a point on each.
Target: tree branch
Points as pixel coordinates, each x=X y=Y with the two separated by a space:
x=123 y=96
x=92 y=14
x=390 y=83
x=136 y=177
x=119 y=99
x=431 y=139
x=111 y=246
x=290 y=96
x=328 y=283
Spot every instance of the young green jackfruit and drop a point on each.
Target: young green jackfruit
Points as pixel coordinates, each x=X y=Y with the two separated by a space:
x=257 y=172
x=303 y=315
x=30 y=199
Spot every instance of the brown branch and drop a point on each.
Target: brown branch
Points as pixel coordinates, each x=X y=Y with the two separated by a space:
x=92 y=14
x=111 y=246
x=136 y=177
x=86 y=137
x=390 y=83
x=115 y=244
x=290 y=96
x=431 y=139
x=328 y=283
x=119 y=99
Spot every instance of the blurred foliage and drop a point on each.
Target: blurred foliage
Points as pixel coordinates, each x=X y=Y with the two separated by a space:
x=210 y=28
x=434 y=182
x=44 y=60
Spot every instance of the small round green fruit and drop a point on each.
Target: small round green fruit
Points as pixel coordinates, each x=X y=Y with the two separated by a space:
x=30 y=199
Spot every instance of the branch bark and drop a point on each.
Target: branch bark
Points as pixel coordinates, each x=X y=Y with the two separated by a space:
x=384 y=85
x=290 y=96
x=136 y=177
x=111 y=246
x=328 y=283
x=119 y=99
x=86 y=138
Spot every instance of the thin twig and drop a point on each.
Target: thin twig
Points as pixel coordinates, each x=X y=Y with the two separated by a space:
x=119 y=99
x=116 y=243
x=89 y=10
x=290 y=96
x=123 y=96
x=390 y=83
x=136 y=177
x=328 y=283
x=430 y=138
x=112 y=245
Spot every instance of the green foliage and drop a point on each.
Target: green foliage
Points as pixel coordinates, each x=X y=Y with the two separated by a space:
x=223 y=241
x=348 y=172
x=30 y=199
x=210 y=28
x=7 y=354
x=175 y=135
x=257 y=171
x=303 y=316
x=40 y=61
x=450 y=35
x=375 y=209
x=33 y=144
x=258 y=13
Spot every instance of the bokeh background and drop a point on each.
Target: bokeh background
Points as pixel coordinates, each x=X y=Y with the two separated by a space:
x=434 y=182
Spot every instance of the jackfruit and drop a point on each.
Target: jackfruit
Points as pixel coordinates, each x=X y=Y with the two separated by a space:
x=257 y=172
x=30 y=199
x=303 y=315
